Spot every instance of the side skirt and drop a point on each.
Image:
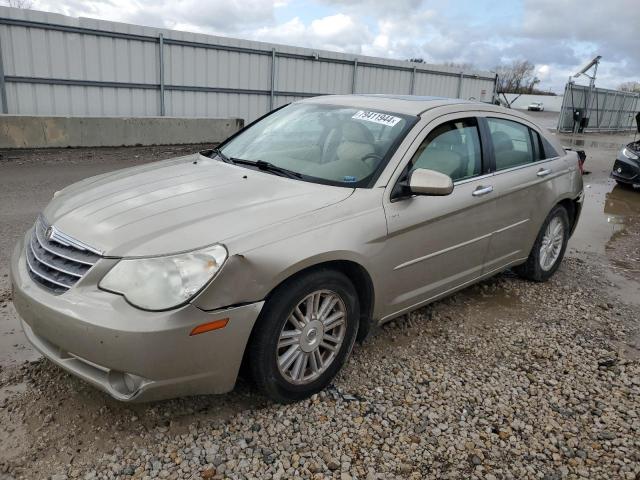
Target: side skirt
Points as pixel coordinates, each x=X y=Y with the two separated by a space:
x=446 y=293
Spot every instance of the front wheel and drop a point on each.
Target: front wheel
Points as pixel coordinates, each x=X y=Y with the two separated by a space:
x=549 y=247
x=624 y=184
x=304 y=335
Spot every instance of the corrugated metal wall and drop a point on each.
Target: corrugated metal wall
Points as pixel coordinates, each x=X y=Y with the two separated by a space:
x=57 y=65
x=607 y=110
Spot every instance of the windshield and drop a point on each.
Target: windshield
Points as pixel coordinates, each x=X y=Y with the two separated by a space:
x=325 y=143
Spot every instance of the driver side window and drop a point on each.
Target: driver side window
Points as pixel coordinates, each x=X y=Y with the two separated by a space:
x=452 y=148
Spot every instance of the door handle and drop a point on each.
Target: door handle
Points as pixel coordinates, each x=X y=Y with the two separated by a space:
x=482 y=191
x=543 y=172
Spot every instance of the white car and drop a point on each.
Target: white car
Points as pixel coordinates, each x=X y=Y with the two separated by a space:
x=536 y=106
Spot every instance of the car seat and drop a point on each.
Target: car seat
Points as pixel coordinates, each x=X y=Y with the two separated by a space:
x=344 y=150
x=506 y=155
x=441 y=154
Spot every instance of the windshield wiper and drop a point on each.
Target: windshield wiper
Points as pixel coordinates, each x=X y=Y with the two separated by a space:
x=223 y=157
x=268 y=167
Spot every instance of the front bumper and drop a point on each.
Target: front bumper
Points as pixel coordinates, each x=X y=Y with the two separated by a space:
x=131 y=354
x=626 y=170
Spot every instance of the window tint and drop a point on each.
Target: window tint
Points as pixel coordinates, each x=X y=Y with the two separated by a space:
x=511 y=143
x=549 y=150
x=538 y=154
x=452 y=148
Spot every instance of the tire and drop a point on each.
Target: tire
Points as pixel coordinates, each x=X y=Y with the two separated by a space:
x=268 y=363
x=625 y=185
x=538 y=267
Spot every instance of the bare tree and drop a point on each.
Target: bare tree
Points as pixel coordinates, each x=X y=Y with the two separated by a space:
x=20 y=3
x=516 y=77
x=629 y=87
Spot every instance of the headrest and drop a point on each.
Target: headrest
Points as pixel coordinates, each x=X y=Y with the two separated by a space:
x=356 y=132
x=501 y=142
x=452 y=137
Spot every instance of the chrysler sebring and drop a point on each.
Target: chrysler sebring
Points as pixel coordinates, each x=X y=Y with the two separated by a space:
x=289 y=241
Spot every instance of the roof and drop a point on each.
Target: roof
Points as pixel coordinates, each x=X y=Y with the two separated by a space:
x=404 y=104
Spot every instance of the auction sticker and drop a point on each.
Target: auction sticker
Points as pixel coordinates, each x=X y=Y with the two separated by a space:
x=375 y=117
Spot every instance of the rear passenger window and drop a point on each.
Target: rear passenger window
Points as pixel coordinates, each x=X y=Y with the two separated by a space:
x=452 y=148
x=511 y=143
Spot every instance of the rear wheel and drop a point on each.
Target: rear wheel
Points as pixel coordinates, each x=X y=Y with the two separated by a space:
x=549 y=247
x=304 y=335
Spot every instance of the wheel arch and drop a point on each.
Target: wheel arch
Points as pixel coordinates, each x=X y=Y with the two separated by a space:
x=359 y=277
x=573 y=208
x=355 y=272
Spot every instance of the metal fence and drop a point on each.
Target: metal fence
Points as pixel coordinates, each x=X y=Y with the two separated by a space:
x=53 y=64
x=604 y=110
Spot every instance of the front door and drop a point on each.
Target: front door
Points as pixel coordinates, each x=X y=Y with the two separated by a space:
x=437 y=243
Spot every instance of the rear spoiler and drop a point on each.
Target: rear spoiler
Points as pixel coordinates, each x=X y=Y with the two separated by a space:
x=582 y=157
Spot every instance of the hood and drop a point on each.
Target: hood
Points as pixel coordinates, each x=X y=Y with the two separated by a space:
x=180 y=204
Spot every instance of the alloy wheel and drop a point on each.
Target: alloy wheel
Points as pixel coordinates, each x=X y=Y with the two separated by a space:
x=311 y=337
x=551 y=245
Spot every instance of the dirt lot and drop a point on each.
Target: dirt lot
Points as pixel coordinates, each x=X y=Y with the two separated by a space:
x=506 y=379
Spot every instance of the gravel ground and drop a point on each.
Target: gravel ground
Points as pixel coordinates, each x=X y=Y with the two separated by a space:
x=483 y=385
x=506 y=379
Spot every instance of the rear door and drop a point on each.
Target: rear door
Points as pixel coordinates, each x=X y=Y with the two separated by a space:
x=437 y=243
x=526 y=185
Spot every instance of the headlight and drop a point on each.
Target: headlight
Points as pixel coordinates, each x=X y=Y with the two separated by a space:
x=629 y=154
x=160 y=283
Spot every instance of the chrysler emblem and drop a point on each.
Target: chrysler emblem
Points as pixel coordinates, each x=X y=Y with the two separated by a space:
x=49 y=233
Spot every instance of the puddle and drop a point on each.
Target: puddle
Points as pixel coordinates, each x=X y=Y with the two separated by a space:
x=14 y=347
x=587 y=143
x=607 y=212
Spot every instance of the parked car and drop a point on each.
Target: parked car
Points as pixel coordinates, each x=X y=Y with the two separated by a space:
x=536 y=106
x=297 y=235
x=626 y=168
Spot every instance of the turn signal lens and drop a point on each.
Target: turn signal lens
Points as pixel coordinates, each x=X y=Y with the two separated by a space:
x=207 y=327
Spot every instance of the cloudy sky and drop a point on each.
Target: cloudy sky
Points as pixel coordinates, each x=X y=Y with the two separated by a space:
x=558 y=36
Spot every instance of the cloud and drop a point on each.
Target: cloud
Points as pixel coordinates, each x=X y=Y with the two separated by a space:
x=222 y=16
x=335 y=32
x=384 y=8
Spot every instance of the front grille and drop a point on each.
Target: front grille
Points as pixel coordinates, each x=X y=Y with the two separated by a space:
x=55 y=260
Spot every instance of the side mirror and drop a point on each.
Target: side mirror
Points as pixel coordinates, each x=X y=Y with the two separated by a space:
x=429 y=182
